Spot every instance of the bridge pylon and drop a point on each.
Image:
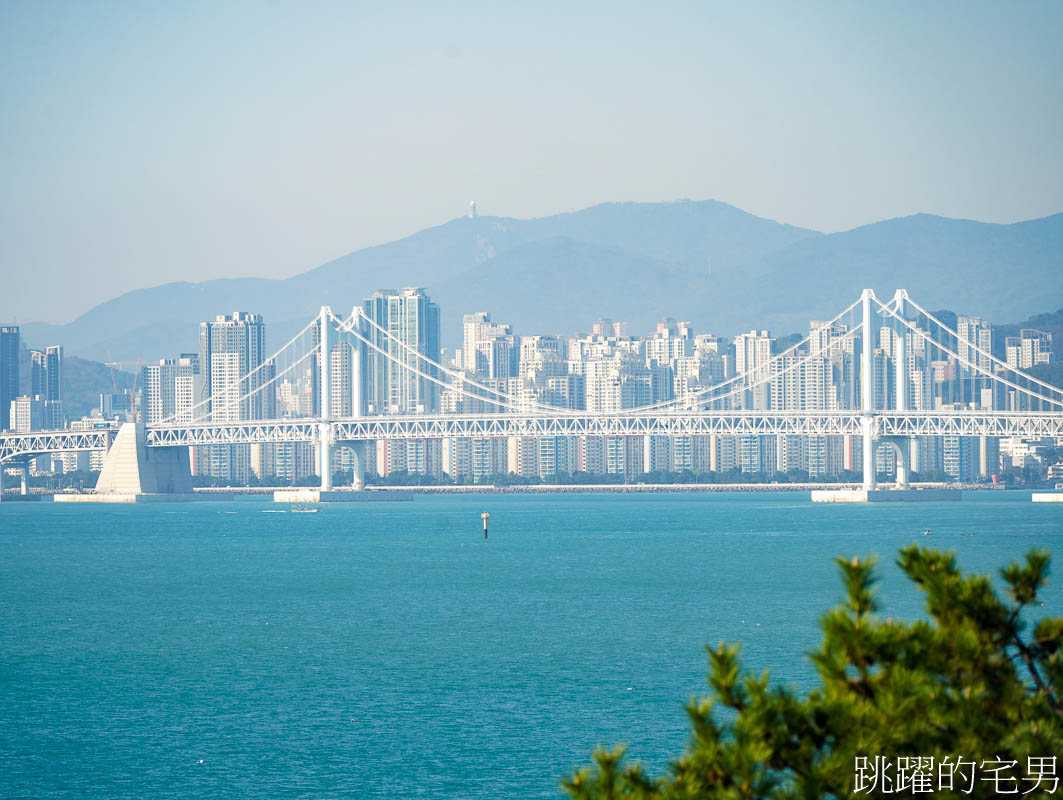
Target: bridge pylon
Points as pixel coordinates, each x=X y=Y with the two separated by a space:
x=902 y=445
x=324 y=431
x=867 y=388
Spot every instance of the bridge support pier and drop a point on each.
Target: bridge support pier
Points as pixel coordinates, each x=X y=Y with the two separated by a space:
x=357 y=463
x=902 y=447
x=324 y=430
x=867 y=421
x=868 y=452
x=358 y=466
x=23 y=466
x=131 y=468
x=324 y=456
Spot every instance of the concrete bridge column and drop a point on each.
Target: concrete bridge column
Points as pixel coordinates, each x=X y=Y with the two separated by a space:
x=1 y=481
x=324 y=429
x=902 y=447
x=358 y=466
x=868 y=448
x=25 y=478
x=324 y=454
x=903 y=463
x=867 y=389
x=901 y=444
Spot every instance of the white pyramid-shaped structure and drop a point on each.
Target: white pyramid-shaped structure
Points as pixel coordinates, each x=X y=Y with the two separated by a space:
x=130 y=467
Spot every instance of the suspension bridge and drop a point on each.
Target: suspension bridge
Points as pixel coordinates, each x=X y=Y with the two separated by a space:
x=886 y=406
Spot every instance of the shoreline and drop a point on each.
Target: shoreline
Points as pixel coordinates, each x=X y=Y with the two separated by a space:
x=582 y=488
x=658 y=488
x=248 y=492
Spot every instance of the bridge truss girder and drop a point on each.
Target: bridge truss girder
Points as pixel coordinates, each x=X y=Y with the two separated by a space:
x=249 y=432
x=15 y=445
x=719 y=423
x=970 y=423
x=498 y=426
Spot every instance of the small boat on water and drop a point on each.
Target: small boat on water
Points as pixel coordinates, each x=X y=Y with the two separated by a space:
x=926 y=532
x=304 y=508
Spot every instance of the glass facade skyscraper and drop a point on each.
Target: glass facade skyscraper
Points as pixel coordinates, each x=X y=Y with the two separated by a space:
x=9 y=383
x=412 y=322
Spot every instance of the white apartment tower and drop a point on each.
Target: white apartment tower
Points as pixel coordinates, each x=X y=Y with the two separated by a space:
x=232 y=351
x=171 y=389
x=753 y=357
x=401 y=381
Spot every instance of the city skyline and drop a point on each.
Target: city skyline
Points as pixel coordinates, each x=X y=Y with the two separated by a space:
x=1030 y=348
x=385 y=361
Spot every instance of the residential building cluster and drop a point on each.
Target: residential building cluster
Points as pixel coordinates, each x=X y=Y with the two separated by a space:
x=394 y=363
x=38 y=403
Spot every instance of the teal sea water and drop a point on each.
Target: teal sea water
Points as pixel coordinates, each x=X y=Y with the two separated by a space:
x=385 y=650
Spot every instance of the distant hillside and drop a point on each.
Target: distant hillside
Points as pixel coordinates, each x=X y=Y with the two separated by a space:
x=162 y=321
x=556 y=285
x=987 y=270
x=83 y=382
x=712 y=264
x=1052 y=323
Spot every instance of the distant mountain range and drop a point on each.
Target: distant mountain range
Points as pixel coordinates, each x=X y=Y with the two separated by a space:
x=707 y=262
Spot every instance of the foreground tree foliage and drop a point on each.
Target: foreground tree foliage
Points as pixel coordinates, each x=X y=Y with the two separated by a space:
x=972 y=683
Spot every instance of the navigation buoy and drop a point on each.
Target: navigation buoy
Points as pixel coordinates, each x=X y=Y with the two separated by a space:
x=484 y=517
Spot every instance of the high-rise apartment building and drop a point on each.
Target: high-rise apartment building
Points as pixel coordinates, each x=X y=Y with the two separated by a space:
x=616 y=383
x=38 y=367
x=1029 y=349
x=25 y=414
x=975 y=335
x=232 y=348
x=472 y=330
x=231 y=361
x=960 y=457
x=345 y=380
x=400 y=382
x=46 y=385
x=489 y=350
x=115 y=406
x=52 y=399
x=753 y=357
x=672 y=340
x=973 y=347
x=170 y=389
x=9 y=379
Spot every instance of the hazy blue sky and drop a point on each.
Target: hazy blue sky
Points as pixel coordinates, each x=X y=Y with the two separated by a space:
x=148 y=142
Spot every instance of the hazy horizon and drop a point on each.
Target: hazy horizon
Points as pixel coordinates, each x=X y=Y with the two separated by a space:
x=385 y=280
x=193 y=142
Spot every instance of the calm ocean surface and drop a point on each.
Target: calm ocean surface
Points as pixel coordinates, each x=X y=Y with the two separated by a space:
x=385 y=650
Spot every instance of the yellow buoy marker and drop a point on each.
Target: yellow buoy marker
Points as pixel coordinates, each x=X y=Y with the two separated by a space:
x=484 y=517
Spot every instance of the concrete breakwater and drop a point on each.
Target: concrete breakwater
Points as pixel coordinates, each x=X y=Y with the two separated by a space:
x=653 y=488
x=261 y=492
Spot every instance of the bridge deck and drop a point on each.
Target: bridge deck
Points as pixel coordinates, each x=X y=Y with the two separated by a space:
x=439 y=426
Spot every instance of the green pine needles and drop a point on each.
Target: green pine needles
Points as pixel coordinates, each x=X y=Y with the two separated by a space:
x=969 y=704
